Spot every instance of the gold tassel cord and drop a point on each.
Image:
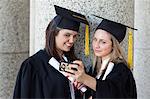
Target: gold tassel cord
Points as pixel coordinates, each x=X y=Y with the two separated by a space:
x=87 y=49
x=130 y=50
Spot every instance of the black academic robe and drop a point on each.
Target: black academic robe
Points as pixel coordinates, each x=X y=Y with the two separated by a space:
x=38 y=79
x=119 y=83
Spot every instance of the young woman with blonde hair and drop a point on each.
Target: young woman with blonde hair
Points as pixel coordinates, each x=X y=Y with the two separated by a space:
x=109 y=76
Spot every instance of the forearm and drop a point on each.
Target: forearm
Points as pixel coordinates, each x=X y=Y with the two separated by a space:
x=90 y=82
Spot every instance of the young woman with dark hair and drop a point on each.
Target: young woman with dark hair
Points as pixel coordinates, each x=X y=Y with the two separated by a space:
x=39 y=79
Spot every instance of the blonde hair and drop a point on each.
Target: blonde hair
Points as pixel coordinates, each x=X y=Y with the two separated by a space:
x=117 y=55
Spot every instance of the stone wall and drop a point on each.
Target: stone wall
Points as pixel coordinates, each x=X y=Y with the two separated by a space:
x=142 y=48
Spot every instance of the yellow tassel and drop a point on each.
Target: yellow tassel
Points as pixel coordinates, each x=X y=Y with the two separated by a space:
x=130 y=50
x=87 y=49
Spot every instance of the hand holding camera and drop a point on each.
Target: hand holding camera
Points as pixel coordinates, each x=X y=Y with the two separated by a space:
x=64 y=67
x=73 y=73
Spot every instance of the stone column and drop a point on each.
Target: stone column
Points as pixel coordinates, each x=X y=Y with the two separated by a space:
x=142 y=48
x=14 y=39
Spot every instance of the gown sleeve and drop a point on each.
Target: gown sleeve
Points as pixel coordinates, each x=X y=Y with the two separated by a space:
x=118 y=84
x=28 y=83
x=38 y=80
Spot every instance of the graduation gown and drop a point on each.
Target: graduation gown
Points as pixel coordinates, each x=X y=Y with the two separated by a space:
x=38 y=79
x=119 y=83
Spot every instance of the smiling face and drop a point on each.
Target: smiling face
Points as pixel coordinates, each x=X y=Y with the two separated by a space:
x=65 y=40
x=102 y=44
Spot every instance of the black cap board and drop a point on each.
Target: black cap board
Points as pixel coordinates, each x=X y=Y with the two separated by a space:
x=118 y=30
x=68 y=19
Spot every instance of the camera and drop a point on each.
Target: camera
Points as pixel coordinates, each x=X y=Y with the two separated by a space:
x=65 y=65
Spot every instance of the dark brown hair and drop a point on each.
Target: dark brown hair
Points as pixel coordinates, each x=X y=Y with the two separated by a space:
x=51 y=32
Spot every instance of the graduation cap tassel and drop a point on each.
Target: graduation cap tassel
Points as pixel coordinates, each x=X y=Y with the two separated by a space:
x=87 y=49
x=130 y=49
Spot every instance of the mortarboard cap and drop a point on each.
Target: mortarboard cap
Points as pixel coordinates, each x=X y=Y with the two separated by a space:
x=118 y=30
x=68 y=19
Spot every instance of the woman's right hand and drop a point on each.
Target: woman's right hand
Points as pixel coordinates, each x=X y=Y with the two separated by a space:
x=80 y=76
x=80 y=73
